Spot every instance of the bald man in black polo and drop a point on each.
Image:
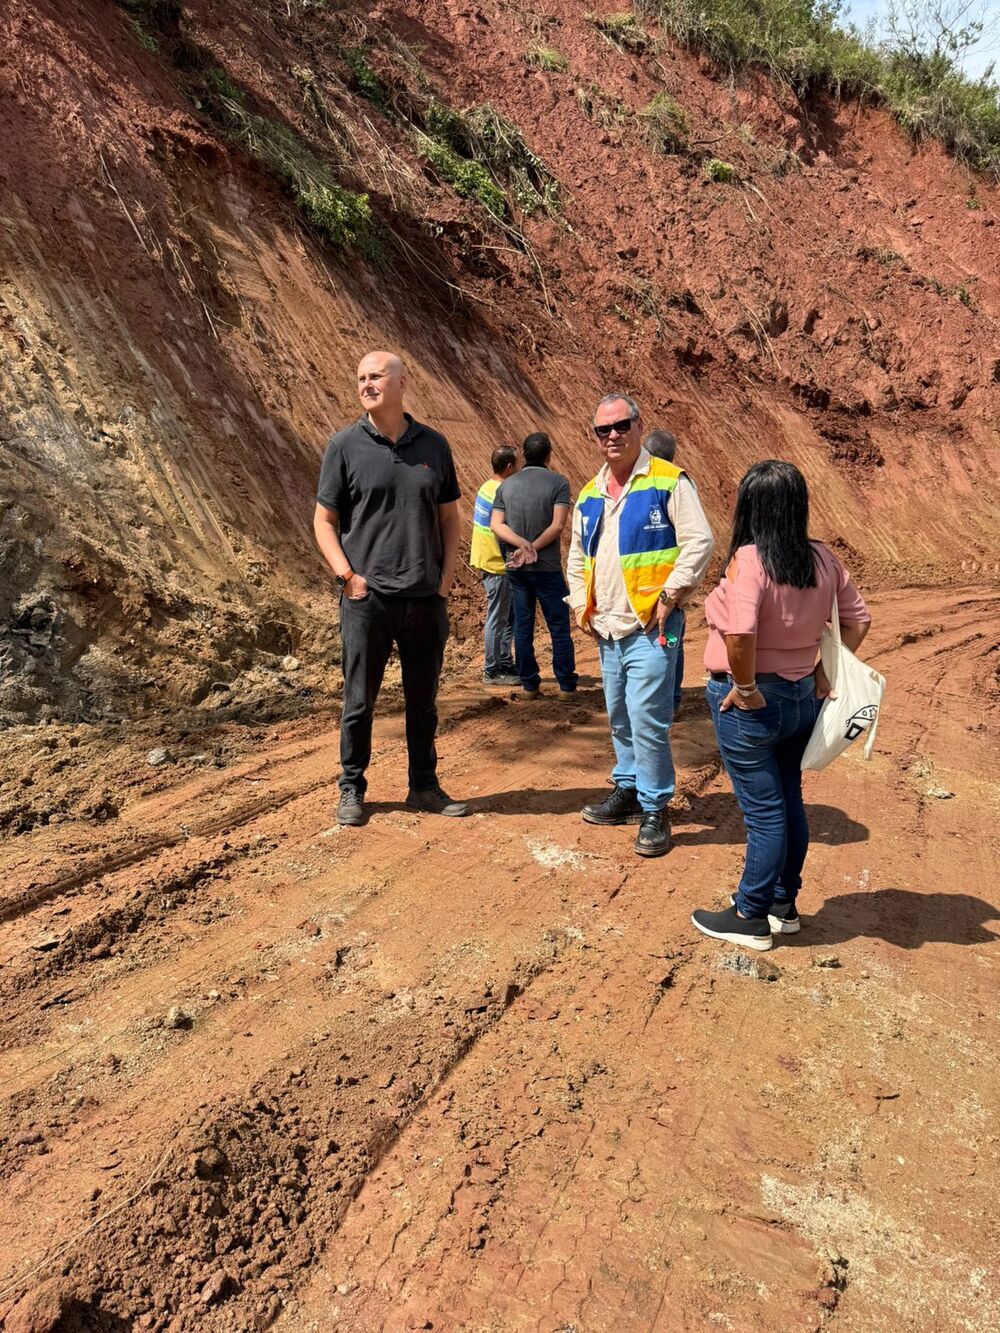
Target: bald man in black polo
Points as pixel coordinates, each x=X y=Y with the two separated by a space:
x=387 y=524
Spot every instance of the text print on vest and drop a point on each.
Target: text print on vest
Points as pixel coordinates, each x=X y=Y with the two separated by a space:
x=656 y=519
x=860 y=721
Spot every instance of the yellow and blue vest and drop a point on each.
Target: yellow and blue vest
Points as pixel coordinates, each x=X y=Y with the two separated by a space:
x=485 y=553
x=647 y=542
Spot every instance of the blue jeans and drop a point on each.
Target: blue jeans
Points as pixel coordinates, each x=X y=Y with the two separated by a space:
x=498 y=633
x=639 y=694
x=762 y=751
x=547 y=587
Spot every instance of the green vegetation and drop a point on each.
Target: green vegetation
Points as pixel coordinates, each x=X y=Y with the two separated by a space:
x=483 y=155
x=664 y=125
x=722 y=172
x=916 y=74
x=623 y=31
x=145 y=38
x=546 y=58
x=343 y=217
x=469 y=179
x=364 y=80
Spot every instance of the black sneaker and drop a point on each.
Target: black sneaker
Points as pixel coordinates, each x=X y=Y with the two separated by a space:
x=351 y=809
x=620 y=807
x=653 y=838
x=752 y=934
x=433 y=801
x=782 y=918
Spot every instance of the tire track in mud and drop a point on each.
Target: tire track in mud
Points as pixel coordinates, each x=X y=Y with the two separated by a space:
x=296 y=1158
x=418 y=846
x=232 y=818
x=395 y=1032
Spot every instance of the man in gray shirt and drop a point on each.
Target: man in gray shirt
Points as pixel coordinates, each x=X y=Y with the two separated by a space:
x=529 y=513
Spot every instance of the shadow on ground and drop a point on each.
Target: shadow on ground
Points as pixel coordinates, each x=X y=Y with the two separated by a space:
x=718 y=817
x=902 y=917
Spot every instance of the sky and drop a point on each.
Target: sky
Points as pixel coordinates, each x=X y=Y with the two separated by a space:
x=988 y=50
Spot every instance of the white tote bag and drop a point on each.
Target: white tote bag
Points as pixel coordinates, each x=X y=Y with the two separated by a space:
x=859 y=689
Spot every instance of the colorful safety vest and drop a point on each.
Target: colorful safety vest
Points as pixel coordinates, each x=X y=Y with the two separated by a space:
x=647 y=542
x=485 y=553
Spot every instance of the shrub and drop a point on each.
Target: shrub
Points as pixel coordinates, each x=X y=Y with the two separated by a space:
x=664 y=125
x=343 y=217
x=547 y=59
x=722 y=172
x=469 y=179
x=364 y=80
x=624 y=32
x=486 y=139
x=916 y=74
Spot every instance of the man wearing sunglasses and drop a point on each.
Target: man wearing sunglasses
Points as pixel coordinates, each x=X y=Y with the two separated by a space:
x=641 y=544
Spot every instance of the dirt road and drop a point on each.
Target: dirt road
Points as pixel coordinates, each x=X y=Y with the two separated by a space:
x=483 y=1075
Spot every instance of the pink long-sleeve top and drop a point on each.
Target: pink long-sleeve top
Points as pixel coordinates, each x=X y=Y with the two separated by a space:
x=787 y=621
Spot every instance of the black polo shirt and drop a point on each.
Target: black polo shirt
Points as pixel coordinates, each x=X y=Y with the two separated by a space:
x=386 y=496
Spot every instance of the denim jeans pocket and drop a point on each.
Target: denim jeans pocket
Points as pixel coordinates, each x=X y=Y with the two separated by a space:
x=758 y=726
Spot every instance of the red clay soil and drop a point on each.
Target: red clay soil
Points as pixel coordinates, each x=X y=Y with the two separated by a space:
x=177 y=345
x=258 y=1071
x=484 y=1075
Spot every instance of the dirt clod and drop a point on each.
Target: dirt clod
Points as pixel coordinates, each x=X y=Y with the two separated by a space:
x=745 y=965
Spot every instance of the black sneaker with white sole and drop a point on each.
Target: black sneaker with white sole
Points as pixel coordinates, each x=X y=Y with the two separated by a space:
x=351 y=809
x=728 y=926
x=782 y=918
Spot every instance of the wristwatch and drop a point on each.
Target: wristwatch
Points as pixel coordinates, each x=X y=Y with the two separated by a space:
x=664 y=598
x=343 y=579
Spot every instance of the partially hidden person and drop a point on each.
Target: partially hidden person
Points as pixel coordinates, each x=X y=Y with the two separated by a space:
x=663 y=444
x=529 y=514
x=387 y=524
x=766 y=686
x=640 y=544
x=486 y=557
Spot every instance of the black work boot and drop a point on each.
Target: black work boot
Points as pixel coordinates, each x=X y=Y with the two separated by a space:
x=433 y=801
x=620 y=807
x=351 y=809
x=653 y=838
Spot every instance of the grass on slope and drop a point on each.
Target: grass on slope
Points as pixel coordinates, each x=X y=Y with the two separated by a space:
x=807 y=43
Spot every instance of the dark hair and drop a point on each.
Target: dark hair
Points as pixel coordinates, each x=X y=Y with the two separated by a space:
x=661 y=444
x=537 y=449
x=503 y=457
x=772 y=513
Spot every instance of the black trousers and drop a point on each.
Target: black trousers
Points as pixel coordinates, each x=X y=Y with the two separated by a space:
x=418 y=626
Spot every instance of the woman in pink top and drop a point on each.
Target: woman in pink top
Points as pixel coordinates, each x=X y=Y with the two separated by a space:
x=766 y=686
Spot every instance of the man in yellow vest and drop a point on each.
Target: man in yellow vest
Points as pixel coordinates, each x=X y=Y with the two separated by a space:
x=640 y=543
x=498 y=663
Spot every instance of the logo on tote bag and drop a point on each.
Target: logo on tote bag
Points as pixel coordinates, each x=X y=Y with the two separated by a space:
x=860 y=721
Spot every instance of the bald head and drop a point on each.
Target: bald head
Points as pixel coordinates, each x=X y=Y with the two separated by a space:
x=381 y=384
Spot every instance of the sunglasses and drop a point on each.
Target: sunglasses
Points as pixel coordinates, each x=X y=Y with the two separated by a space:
x=619 y=427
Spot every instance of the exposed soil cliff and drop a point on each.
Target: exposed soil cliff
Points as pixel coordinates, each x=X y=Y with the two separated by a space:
x=177 y=341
